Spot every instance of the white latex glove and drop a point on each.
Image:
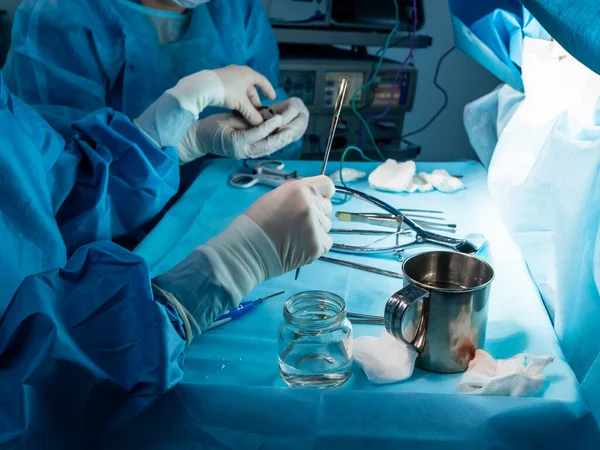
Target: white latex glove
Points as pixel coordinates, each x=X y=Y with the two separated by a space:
x=295 y=116
x=232 y=87
x=167 y=120
x=233 y=137
x=295 y=216
x=281 y=231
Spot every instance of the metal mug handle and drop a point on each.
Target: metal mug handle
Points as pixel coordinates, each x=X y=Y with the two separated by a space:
x=395 y=310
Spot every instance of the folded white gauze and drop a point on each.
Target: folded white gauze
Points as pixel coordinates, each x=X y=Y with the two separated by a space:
x=396 y=176
x=348 y=174
x=513 y=376
x=384 y=359
x=442 y=181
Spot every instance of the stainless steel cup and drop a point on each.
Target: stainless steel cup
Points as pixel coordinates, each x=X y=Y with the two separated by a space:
x=442 y=310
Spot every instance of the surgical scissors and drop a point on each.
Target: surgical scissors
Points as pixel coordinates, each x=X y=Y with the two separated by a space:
x=270 y=167
x=268 y=173
x=470 y=245
x=247 y=180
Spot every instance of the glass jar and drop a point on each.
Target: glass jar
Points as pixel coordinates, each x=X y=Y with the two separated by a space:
x=315 y=341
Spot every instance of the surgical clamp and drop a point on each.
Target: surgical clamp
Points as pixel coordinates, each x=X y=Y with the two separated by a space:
x=470 y=245
x=268 y=172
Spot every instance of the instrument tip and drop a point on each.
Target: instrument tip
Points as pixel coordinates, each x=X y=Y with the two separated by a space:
x=273 y=295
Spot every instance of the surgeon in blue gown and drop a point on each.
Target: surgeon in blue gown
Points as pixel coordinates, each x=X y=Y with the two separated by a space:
x=87 y=340
x=69 y=58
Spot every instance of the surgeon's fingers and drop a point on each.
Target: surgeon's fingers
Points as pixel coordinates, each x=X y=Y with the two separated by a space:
x=326 y=241
x=263 y=130
x=288 y=114
x=254 y=97
x=324 y=205
x=322 y=185
x=264 y=85
x=250 y=113
x=324 y=221
x=270 y=145
x=292 y=109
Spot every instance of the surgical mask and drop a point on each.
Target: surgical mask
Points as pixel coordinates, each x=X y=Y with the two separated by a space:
x=189 y=4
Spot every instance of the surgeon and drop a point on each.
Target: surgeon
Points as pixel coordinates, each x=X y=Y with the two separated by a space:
x=87 y=339
x=70 y=58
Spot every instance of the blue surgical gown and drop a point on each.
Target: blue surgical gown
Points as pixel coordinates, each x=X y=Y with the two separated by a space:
x=574 y=24
x=69 y=58
x=83 y=343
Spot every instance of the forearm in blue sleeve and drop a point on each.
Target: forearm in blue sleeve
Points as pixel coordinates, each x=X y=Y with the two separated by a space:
x=121 y=180
x=87 y=343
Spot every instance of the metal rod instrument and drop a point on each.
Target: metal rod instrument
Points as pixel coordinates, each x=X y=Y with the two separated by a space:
x=339 y=262
x=336 y=117
x=365 y=319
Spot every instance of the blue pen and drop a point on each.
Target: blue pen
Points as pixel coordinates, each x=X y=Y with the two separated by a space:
x=244 y=307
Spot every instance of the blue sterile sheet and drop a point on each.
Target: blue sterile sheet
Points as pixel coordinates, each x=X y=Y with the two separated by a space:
x=232 y=395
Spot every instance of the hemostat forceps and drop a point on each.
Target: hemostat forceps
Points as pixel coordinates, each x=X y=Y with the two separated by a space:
x=470 y=245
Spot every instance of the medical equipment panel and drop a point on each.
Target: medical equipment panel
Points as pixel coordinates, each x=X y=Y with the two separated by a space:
x=316 y=81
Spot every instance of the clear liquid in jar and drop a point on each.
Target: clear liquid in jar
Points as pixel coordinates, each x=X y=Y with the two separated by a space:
x=312 y=364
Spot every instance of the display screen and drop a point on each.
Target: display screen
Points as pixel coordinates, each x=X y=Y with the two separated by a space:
x=333 y=81
x=383 y=88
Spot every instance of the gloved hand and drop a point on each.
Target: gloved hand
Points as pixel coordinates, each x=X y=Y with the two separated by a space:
x=295 y=217
x=281 y=231
x=293 y=221
x=230 y=136
x=231 y=87
x=167 y=120
x=295 y=116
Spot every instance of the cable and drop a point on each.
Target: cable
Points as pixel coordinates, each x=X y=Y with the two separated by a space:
x=347 y=198
x=441 y=89
x=379 y=62
x=374 y=72
x=400 y=68
x=393 y=44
